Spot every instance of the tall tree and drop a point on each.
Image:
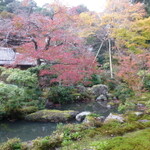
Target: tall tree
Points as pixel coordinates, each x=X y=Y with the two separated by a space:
x=53 y=41
x=119 y=14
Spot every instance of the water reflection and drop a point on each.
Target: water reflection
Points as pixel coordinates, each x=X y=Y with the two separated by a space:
x=25 y=130
x=93 y=107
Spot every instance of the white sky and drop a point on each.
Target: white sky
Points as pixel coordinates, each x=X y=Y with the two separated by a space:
x=93 y=5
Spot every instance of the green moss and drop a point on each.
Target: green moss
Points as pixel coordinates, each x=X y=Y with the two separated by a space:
x=52 y=115
x=134 y=141
x=140 y=98
x=101 y=141
x=47 y=143
x=28 y=109
x=131 y=103
x=12 y=144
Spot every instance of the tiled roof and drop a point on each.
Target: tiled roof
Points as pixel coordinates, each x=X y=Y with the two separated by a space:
x=9 y=57
x=7 y=54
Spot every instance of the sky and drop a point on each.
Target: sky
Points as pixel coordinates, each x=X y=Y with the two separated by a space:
x=93 y=5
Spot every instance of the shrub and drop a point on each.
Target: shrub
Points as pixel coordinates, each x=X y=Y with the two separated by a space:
x=95 y=79
x=41 y=143
x=21 y=78
x=11 y=96
x=60 y=94
x=12 y=144
x=146 y=83
x=65 y=94
x=18 y=88
x=123 y=92
x=111 y=83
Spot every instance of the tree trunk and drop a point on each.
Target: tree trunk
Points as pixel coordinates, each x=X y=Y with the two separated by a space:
x=98 y=51
x=38 y=62
x=110 y=59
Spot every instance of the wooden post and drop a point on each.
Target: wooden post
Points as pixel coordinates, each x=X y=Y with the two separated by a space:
x=110 y=59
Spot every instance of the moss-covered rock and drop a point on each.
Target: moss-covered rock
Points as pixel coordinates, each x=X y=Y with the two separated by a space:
x=93 y=121
x=28 y=109
x=114 y=117
x=52 y=116
x=99 y=89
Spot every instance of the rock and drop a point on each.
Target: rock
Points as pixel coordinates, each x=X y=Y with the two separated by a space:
x=143 y=121
x=100 y=119
x=99 y=89
x=116 y=117
x=108 y=106
x=101 y=98
x=93 y=121
x=81 y=88
x=140 y=105
x=138 y=113
x=51 y=116
x=82 y=115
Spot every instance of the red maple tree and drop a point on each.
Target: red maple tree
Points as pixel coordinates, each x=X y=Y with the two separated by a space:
x=52 y=40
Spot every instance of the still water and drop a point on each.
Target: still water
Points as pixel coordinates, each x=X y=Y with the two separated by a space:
x=25 y=130
x=30 y=130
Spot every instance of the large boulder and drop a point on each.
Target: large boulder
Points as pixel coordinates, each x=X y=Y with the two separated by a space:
x=93 y=121
x=81 y=88
x=99 y=89
x=114 y=117
x=52 y=116
x=82 y=115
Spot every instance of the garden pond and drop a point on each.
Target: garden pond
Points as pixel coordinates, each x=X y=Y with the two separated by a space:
x=30 y=130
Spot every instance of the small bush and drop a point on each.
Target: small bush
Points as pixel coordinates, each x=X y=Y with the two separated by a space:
x=123 y=92
x=41 y=143
x=146 y=83
x=12 y=144
x=60 y=94
x=65 y=94
x=95 y=79
x=18 y=88
x=112 y=84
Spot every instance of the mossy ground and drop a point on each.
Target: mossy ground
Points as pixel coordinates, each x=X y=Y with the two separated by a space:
x=143 y=98
x=132 y=141
x=139 y=140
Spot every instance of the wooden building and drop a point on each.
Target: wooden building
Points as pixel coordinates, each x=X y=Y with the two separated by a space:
x=8 y=57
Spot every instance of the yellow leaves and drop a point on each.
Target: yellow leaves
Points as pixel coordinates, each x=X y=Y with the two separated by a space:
x=125 y=24
x=143 y=27
x=88 y=24
x=136 y=37
x=88 y=18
